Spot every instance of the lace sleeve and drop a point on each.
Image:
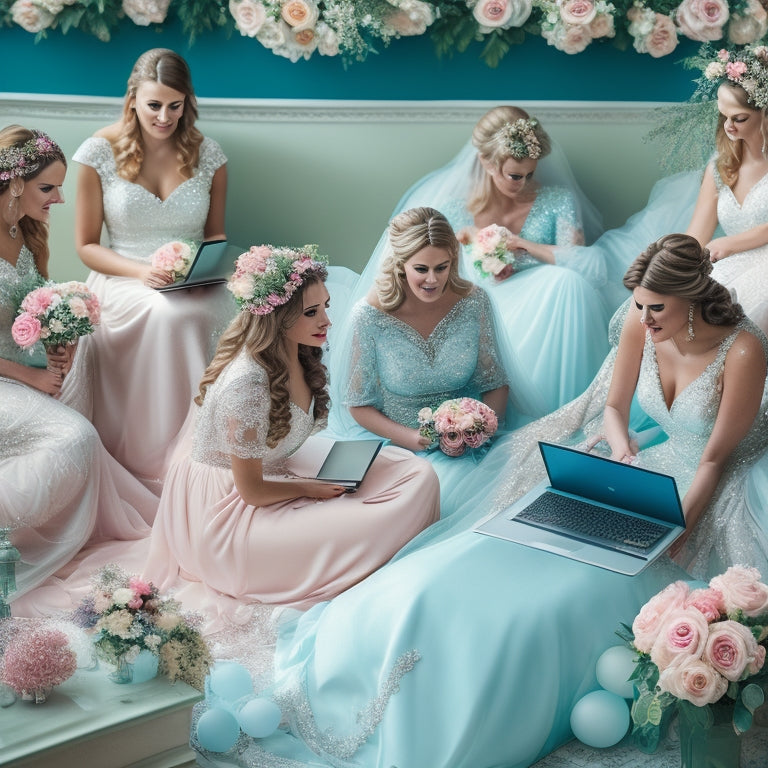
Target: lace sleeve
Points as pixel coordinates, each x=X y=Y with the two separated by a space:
x=363 y=386
x=212 y=157
x=489 y=373
x=96 y=152
x=568 y=227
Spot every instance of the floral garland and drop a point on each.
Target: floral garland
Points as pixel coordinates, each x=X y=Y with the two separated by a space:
x=299 y=29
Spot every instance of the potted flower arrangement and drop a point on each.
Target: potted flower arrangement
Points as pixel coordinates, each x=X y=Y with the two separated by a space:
x=133 y=623
x=701 y=655
x=457 y=425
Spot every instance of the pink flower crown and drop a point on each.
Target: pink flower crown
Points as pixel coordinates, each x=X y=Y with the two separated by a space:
x=22 y=161
x=266 y=277
x=747 y=68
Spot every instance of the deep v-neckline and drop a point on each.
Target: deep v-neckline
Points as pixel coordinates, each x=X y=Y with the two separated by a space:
x=749 y=192
x=161 y=200
x=409 y=328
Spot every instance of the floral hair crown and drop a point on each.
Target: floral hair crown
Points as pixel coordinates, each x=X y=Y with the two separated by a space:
x=520 y=140
x=23 y=161
x=747 y=68
x=266 y=277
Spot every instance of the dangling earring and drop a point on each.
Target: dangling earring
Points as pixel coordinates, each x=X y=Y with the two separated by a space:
x=691 y=334
x=13 y=230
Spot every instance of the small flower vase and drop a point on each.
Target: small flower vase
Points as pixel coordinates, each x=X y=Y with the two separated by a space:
x=142 y=668
x=39 y=695
x=716 y=747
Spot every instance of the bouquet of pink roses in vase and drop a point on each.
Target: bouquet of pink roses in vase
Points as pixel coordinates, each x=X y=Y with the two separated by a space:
x=491 y=254
x=457 y=425
x=175 y=257
x=56 y=314
x=701 y=655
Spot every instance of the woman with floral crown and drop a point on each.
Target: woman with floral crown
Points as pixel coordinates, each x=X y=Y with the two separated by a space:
x=151 y=178
x=58 y=486
x=235 y=524
x=492 y=643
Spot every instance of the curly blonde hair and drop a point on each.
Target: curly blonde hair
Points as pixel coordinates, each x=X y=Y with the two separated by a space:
x=263 y=336
x=411 y=231
x=488 y=139
x=35 y=233
x=731 y=153
x=164 y=66
x=678 y=265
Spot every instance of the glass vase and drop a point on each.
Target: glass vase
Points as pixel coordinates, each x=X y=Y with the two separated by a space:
x=142 y=668
x=715 y=747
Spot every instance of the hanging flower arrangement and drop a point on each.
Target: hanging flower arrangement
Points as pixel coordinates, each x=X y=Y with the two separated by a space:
x=351 y=29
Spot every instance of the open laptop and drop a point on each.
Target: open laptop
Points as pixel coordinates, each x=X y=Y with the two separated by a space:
x=341 y=462
x=214 y=262
x=622 y=516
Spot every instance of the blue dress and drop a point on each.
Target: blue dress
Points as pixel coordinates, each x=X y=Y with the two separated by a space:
x=469 y=651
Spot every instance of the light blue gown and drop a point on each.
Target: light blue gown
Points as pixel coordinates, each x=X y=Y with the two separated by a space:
x=470 y=652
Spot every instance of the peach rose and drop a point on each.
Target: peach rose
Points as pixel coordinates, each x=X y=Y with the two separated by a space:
x=683 y=633
x=31 y=17
x=662 y=39
x=742 y=590
x=411 y=17
x=602 y=26
x=578 y=12
x=750 y=26
x=26 y=330
x=146 y=12
x=702 y=19
x=652 y=615
x=249 y=16
x=733 y=651
x=693 y=680
x=299 y=14
x=576 y=39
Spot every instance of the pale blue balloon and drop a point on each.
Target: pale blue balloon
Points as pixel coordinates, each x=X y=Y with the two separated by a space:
x=230 y=681
x=259 y=717
x=614 y=668
x=600 y=719
x=217 y=730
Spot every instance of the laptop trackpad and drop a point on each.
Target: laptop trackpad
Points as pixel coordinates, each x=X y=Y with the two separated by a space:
x=563 y=546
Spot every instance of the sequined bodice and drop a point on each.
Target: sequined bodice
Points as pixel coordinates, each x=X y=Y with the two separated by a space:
x=752 y=212
x=398 y=371
x=137 y=221
x=15 y=283
x=234 y=419
x=691 y=418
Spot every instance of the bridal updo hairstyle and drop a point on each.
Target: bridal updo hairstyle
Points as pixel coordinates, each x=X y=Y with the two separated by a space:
x=488 y=141
x=263 y=337
x=410 y=232
x=678 y=265
x=164 y=66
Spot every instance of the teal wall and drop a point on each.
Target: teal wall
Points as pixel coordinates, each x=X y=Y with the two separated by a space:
x=239 y=67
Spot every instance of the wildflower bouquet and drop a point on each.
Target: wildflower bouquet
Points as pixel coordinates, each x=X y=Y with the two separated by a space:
x=56 y=313
x=128 y=615
x=175 y=257
x=701 y=654
x=491 y=251
x=458 y=424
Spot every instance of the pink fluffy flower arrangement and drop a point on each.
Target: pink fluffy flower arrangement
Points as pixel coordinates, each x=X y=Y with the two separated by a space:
x=701 y=653
x=36 y=660
x=492 y=252
x=459 y=424
x=174 y=257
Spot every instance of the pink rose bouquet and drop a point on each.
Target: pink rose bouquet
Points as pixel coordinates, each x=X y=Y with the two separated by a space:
x=700 y=654
x=457 y=425
x=174 y=257
x=491 y=251
x=56 y=313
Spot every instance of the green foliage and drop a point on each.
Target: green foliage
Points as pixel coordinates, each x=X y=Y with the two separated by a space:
x=198 y=16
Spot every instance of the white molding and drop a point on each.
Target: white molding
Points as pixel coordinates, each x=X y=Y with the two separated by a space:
x=13 y=105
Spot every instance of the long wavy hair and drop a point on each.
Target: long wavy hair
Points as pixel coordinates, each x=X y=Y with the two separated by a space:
x=678 y=265
x=164 y=66
x=731 y=153
x=488 y=140
x=263 y=336
x=409 y=232
x=35 y=232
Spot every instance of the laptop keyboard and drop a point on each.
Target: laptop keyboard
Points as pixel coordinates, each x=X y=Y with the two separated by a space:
x=587 y=522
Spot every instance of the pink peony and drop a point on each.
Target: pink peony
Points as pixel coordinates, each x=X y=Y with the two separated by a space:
x=742 y=590
x=602 y=26
x=146 y=12
x=575 y=39
x=26 y=330
x=684 y=632
x=708 y=601
x=78 y=307
x=735 y=69
x=475 y=439
x=412 y=17
x=37 y=302
x=30 y=16
x=702 y=19
x=693 y=680
x=662 y=39
x=653 y=614
x=249 y=16
x=732 y=650
x=139 y=586
x=579 y=12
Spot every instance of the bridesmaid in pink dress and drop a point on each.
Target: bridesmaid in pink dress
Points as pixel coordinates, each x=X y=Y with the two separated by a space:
x=232 y=517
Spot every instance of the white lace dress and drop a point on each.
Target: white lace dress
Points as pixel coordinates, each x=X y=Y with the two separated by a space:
x=152 y=347
x=58 y=486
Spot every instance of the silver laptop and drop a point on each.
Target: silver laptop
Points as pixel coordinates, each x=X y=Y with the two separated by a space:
x=617 y=516
x=213 y=263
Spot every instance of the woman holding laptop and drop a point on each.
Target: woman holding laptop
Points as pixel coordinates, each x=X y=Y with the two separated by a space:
x=233 y=517
x=151 y=178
